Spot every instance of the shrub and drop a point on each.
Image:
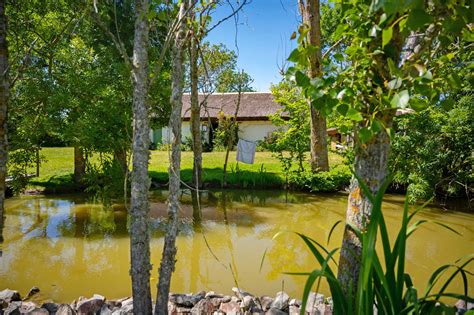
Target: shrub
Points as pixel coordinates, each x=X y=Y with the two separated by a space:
x=336 y=179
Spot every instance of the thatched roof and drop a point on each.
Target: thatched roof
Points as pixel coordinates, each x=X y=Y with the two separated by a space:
x=253 y=105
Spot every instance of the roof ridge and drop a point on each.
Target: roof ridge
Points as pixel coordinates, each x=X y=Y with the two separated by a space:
x=228 y=93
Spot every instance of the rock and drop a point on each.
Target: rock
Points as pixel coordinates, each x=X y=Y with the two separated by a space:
x=204 y=307
x=90 y=306
x=247 y=303
x=294 y=302
x=230 y=308
x=212 y=294
x=39 y=311
x=275 y=311
x=13 y=308
x=33 y=291
x=10 y=295
x=27 y=307
x=105 y=310
x=294 y=310
x=3 y=304
x=127 y=306
x=240 y=294
x=314 y=299
x=266 y=302
x=65 y=309
x=281 y=301
x=180 y=310
x=186 y=300
x=50 y=307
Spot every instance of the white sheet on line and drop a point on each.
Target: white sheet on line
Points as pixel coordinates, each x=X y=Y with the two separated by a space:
x=246 y=151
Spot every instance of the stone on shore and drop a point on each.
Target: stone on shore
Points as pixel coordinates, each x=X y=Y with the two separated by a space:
x=281 y=301
x=10 y=295
x=50 y=307
x=33 y=291
x=65 y=309
x=186 y=300
x=231 y=307
x=90 y=306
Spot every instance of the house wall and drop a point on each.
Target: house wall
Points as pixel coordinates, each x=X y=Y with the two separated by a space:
x=248 y=130
x=255 y=130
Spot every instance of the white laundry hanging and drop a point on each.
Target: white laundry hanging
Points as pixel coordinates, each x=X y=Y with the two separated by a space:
x=246 y=151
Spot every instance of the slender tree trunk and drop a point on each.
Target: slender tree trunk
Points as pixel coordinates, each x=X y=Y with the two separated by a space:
x=195 y=114
x=310 y=11
x=38 y=162
x=120 y=155
x=79 y=164
x=139 y=233
x=371 y=165
x=4 y=94
x=169 y=248
x=231 y=139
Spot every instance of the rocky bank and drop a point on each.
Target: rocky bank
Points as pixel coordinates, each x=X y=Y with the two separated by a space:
x=203 y=302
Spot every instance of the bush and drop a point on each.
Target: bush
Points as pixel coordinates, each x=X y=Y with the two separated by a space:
x=106 y=180
x=336 y=179
x=432 y=151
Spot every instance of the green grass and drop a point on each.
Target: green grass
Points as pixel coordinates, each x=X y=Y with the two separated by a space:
x=266 y=172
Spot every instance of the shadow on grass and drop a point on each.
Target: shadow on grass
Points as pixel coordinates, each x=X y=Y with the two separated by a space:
x=213 y=177
x=57 y=184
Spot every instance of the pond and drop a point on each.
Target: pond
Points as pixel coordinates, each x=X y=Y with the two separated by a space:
x=70 y=247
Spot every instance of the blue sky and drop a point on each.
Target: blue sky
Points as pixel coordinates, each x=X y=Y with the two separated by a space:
x=263 y=37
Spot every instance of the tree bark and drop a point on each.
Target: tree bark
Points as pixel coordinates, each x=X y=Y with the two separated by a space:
x=169 y=248
x=4 y=94
x=139 y=233
x=310 y=11
x=371 y=165
x=79 y=164
x=195 y=114
x=120 y=156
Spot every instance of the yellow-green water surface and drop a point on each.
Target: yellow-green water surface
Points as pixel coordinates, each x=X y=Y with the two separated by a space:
x=69 y=247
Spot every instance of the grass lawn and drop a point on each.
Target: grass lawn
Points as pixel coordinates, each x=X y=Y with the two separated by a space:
x=266 y=172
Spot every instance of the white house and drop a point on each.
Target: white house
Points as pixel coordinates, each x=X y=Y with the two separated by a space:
x=253 y=115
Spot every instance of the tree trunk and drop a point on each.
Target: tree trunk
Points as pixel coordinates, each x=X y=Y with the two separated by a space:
x=310 y=11
x=120 y=156
x=4 y=94
x=38 y=161
x=231 y=140
x=169 y=247
x=195 y=114
x=79 y=164
x=371 y=165
x=139 y=233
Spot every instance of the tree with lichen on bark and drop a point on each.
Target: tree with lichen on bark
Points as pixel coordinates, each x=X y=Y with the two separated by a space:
x=388 y=49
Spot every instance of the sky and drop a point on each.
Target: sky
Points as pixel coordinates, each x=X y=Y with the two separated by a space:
x=262 y=41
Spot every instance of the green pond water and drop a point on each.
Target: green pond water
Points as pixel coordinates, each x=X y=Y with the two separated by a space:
x=70 y=247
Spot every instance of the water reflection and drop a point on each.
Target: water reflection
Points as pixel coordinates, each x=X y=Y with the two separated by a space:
x=69 y=247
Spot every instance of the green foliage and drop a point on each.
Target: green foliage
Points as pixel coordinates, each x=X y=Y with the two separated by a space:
x=336 y=179
x=226 y=134
x=105 y=180
x=432 y=151
x=384 y=287
x=368 y=78
x=20 y=162
x=291 y=141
